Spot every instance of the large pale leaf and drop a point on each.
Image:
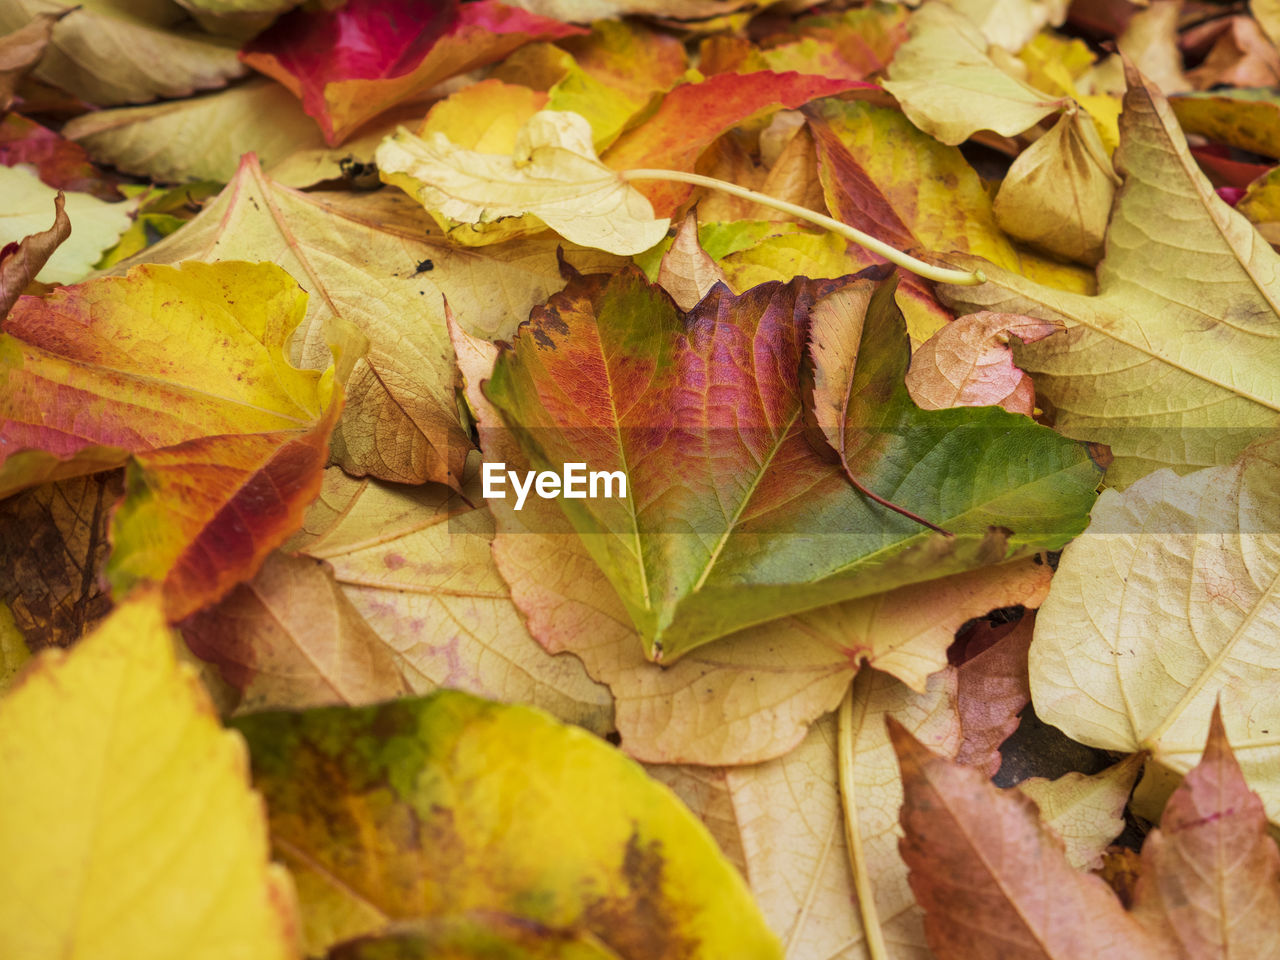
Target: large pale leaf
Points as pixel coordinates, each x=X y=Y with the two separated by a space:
x=111 y=51
x=401 y=421
x=199 y=138
x=553 y=174
x=1168 y=604
x=1173 y=362
x=450 y=808
x=225 y=439
x=730 y=515
x=950 y=88
x=127 y=826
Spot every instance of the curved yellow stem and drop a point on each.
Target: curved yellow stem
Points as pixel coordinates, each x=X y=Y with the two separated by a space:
x=892 y=254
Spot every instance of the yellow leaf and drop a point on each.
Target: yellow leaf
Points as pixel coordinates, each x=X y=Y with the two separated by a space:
x=1164 y=606
x=401 y=421
x=127 y=826
x=950 y=88
x=1057 y=194
x=449 y=808
x=13 y=649
x=553 y=174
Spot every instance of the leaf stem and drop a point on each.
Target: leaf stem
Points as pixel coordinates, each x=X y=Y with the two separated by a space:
x=872 y=495
x=962 y=278
x=876 y=949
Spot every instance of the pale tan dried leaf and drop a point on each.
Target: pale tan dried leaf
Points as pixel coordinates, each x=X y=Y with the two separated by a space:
x=782 y=822
x=1086 y=811
x=108 y=52
x=415 y=564
x=1057 y=194
x=1150 y=41
x=290 y=639
x=1166 y=605
x=553 y=174
x=686 y=271
x=199 y=138
x=950 y=88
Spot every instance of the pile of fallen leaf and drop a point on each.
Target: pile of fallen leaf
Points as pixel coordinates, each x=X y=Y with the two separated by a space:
x=866 y=302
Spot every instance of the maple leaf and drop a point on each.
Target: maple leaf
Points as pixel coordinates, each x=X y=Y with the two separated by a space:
x=147 y=815
x=586 y=380
x=231 y=447
x=401 y=421
x=1185 y=300
x=58 y=161
x=351 y=63
x=499 y=793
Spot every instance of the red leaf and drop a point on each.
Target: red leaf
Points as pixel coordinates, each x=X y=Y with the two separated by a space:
x=350 y=64
x=694 y=115
x=59 y=162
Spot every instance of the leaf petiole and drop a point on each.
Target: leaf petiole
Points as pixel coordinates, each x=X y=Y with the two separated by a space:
x=871 y=929
x=962 y=278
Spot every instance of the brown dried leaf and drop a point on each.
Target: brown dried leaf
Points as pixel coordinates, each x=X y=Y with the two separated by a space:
x=20 y=262
x=968 y=363
x=51 y=555
x=22 y=50
x=1210 y=882
x=993 y=689
x=993 y=881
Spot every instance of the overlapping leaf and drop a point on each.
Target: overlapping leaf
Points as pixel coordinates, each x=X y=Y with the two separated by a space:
x=349 y=64
x=1166 y=606
x=1172 y=363
x=453 y=809
x=729 y=510
x=224 y=453
x=138 y=836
